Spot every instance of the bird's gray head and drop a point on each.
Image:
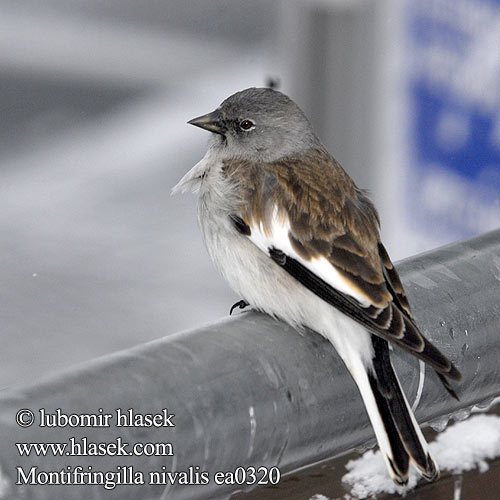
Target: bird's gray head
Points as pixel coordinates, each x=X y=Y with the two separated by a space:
x=258 y=124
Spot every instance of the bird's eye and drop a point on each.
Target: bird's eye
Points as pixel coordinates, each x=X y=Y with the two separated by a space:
x=246 y=124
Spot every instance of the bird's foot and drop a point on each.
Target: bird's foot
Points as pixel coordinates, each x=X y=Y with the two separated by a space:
x=241 y=304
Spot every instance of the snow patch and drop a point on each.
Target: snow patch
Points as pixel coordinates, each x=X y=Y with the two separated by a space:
x=462 y=447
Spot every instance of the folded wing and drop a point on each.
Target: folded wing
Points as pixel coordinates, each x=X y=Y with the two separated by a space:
x=331 y=245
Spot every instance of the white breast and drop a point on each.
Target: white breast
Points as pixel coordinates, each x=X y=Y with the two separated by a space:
x=255 y=277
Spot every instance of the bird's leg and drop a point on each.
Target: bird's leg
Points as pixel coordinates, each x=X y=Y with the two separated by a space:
x=241 y=304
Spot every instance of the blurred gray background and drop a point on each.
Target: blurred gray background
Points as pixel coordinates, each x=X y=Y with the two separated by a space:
x=96 y=256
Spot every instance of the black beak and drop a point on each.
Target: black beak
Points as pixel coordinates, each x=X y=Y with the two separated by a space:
x=211 y=122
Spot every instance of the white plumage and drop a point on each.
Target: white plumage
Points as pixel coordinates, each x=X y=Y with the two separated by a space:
x=234 y=213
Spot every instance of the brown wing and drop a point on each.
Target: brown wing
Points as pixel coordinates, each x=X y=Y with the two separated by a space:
x=400 y=300
x=331 y=218
x=393 y=281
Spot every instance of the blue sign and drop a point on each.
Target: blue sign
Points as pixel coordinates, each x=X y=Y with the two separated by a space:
x=454 y=92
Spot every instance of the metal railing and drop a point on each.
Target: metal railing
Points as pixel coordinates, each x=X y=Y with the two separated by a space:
x=247 y=391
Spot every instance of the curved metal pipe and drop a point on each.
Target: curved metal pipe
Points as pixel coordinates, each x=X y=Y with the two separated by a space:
x=250 y=391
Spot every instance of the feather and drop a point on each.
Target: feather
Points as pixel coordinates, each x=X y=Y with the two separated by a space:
x=294 y=236
x=308 y=216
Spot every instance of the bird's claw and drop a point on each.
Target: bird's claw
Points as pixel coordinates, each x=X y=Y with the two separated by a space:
x=241 y=304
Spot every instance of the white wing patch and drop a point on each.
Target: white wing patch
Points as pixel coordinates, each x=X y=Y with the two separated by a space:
x=277 y=236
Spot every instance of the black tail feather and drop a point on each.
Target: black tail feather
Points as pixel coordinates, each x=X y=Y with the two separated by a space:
x=447 y=386
x=400 y=460
x=398 y=418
